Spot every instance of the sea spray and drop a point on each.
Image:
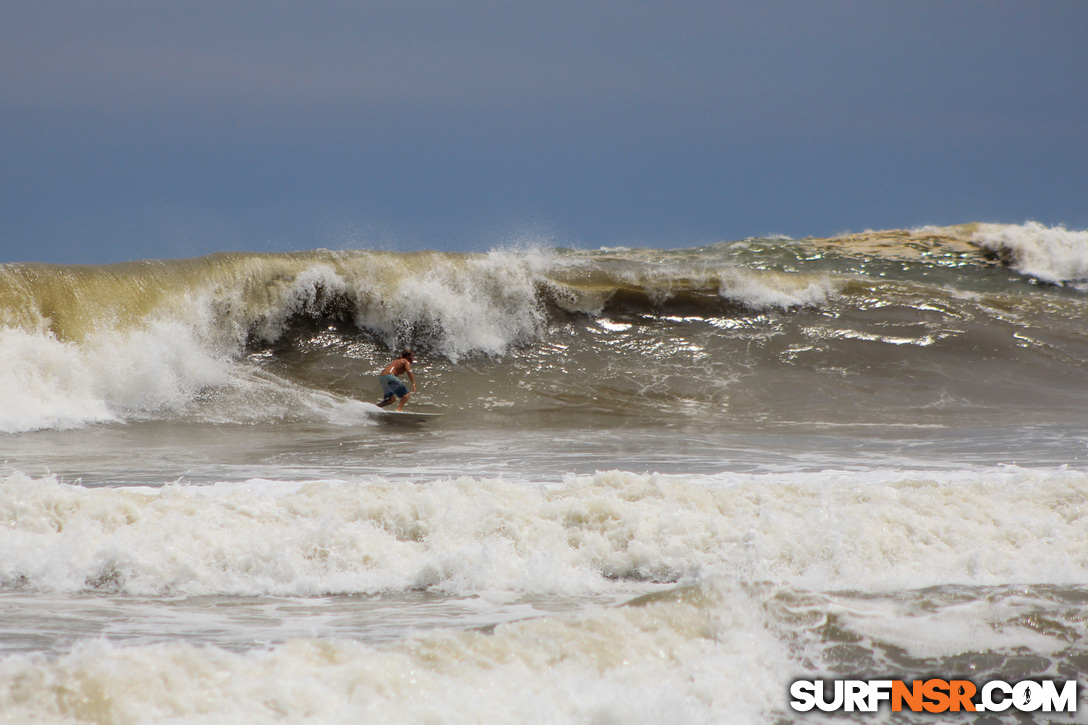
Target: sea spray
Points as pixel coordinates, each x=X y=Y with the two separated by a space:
x=1055 y=255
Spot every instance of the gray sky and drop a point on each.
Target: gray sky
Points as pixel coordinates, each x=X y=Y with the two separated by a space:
x=151 y=129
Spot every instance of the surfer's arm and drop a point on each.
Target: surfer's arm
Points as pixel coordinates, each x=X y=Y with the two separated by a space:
x=408 y=369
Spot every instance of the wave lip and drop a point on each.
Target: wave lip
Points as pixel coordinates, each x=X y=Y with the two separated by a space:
x=1055 y=255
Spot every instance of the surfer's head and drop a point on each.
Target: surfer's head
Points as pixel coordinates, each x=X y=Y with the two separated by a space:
x=407 y=355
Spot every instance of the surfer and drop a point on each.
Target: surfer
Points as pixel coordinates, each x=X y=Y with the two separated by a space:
x=391 y=383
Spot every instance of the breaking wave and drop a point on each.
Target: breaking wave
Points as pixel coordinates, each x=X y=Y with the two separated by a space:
x=587 y=535
x=81 y=345
x=84 y=345
x=1054 y=255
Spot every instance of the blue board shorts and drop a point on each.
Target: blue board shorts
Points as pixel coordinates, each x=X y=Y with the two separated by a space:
x=391 y=385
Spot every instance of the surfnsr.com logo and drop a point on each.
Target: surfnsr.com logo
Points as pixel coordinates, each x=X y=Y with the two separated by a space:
x=934 y=695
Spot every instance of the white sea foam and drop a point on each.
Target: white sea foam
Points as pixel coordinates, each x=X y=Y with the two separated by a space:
x=1051 y=254
x=695 y=657
x=486 y=305
x=44 y=383
x=820 y=531
x=762 y=557
x=49 y=383
x=766 y=290
x=304 y=294
x=162 y=369
x=948 y=628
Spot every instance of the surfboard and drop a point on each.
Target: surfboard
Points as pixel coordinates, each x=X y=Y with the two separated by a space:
x=406 y=416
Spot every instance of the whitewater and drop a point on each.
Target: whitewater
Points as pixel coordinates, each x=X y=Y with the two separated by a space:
x=666 y=483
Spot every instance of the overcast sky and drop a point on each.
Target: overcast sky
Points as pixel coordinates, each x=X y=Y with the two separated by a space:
x=153 y=129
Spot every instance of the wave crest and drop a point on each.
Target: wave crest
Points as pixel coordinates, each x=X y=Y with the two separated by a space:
x=1055 y=255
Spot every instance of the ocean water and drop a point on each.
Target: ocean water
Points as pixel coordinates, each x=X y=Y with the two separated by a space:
x=665 y=484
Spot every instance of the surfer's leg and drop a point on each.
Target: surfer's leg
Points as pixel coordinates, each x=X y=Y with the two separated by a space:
x=403 y=401
x=385 y=401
